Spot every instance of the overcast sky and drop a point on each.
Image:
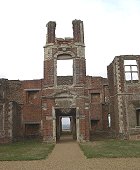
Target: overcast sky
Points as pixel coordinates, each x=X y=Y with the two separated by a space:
x=112 y=27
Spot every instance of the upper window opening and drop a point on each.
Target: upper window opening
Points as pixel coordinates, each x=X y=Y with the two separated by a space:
x=65 y=67
x=131 y=70
x=95 y=97
x=32 y=97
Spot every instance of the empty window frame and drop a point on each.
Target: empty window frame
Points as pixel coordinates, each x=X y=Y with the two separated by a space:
x=109 y=120
x=95 y=97
x=94 y=124
x=131 y=70
x=65 y=67
x=32 y=96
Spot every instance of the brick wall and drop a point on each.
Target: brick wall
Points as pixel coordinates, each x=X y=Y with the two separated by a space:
x=124 y=96
x=49 y=72
x=10 y=108
x=98 y=93
x=51 y=32
x=93 y=98
x=31 y=109
x=64 y=80
x=78 y=32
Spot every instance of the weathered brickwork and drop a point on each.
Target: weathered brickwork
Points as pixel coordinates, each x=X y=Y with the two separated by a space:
x=64 y=80
x=31 y=109
x=124 y=96
x=66 y=94
x=95 y=105
x=51 y=32
x=10 y=110
x=49 y=72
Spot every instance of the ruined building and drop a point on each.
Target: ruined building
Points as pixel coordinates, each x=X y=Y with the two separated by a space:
x=95 y=105
x=124 y=94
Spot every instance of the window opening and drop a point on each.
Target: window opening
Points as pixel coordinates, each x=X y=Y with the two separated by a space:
x=95 y=97
x=32 y=97
x=131 y=70
x=94 y=124
x=109 y=120
x=65 y=67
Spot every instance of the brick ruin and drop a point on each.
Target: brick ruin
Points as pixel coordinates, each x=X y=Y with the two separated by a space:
x=124 y=94
x=95 y=105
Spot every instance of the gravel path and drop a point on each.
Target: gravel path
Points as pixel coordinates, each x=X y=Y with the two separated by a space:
x=68 y=156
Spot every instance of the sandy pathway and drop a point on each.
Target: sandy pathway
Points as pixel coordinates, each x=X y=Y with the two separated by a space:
x=68 y=156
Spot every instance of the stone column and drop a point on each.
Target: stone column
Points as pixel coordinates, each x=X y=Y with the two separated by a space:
x=54 y=124
x=77 y=124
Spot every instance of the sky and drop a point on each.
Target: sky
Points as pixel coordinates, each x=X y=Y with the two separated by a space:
x=111 y=28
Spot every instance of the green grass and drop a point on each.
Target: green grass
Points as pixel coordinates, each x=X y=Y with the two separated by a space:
x=27 y=150
x=111 y=149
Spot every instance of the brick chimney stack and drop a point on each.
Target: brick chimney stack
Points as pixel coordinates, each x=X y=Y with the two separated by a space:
x=51 y=31
x=78 y=31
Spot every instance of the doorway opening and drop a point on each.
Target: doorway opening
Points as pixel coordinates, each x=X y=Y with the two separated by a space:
x=138 y=117
x=65 y=124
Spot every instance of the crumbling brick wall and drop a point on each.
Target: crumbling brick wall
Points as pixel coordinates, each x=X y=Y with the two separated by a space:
x=99 y=103
x=10 y=113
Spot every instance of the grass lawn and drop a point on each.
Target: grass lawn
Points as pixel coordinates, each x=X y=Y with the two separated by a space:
x=111 y=149
x=26 y=150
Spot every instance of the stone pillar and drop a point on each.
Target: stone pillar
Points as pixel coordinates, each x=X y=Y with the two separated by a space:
x=54 y=124
x=60 y=125
x=70 y=124
x=74 y=127
x=87 y=124
x=10 y=121
x=77 y=124
x=57 y=128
